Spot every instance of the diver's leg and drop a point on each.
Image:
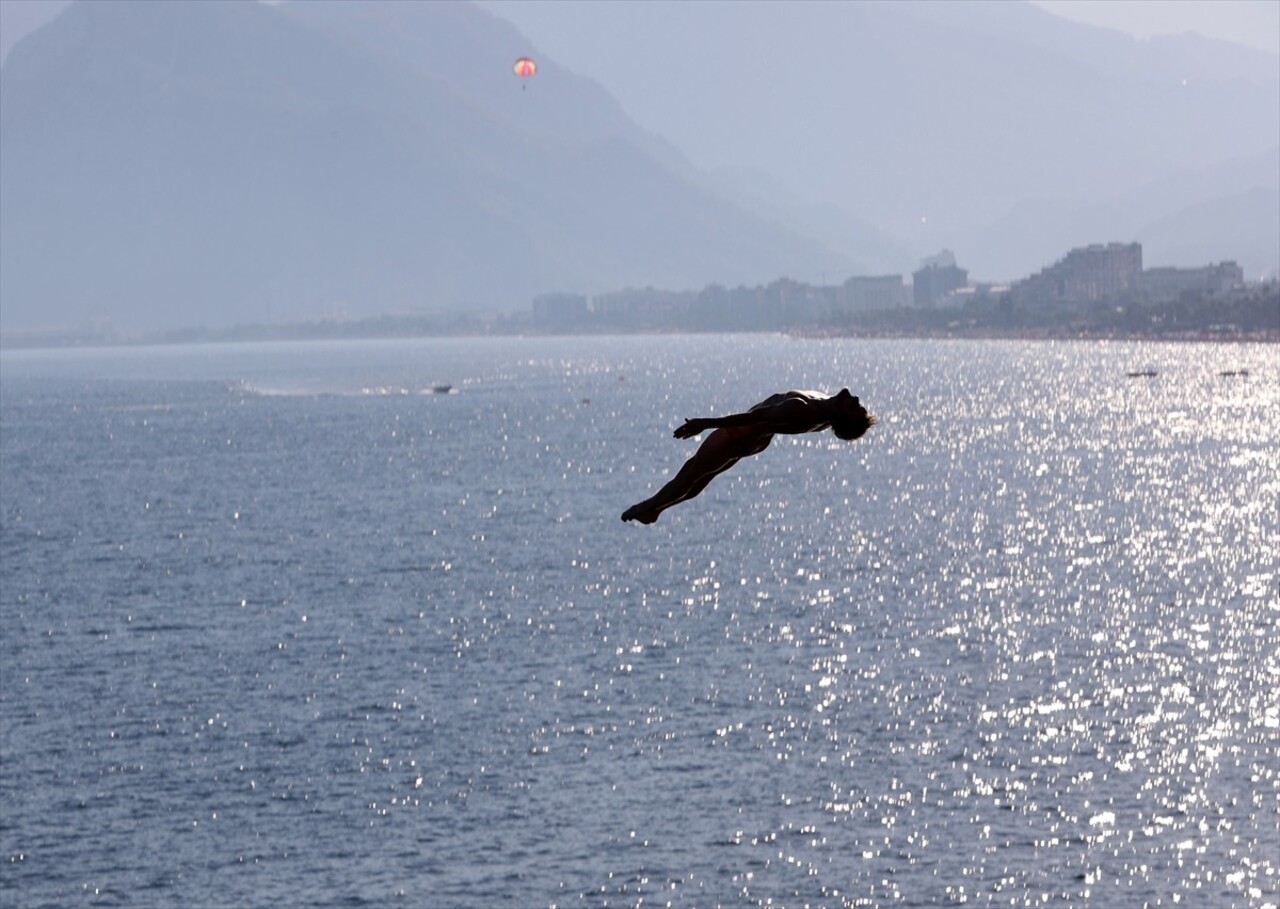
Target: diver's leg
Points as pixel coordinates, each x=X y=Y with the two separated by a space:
x=721 y=450
x=685 y=485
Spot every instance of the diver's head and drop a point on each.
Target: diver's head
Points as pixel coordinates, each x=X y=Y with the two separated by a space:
x=851 y=420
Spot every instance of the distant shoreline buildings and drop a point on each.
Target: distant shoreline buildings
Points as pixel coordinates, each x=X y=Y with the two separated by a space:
x=1101 y=290
x=1110 y=272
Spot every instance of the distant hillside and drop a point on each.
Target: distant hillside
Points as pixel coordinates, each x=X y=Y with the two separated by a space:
x=175 y=164
x=1209 y=232
x=1230 y=210
x=989 y=127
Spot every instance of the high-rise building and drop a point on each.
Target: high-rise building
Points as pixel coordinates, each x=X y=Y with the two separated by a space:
x=1084 y=275
x=1161 y=284
x=938 y=276
x=866 y=293
x=559 y=310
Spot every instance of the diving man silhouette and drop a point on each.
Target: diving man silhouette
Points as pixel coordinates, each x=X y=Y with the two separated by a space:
x=741 y=435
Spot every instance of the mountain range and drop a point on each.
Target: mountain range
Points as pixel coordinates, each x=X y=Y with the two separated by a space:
x=174 y=164
x=990 y=127
x=167 y=165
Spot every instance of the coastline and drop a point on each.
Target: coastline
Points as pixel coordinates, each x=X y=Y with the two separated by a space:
x=1250 y=317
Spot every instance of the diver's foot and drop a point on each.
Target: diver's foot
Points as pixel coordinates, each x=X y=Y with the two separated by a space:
x=640 y=513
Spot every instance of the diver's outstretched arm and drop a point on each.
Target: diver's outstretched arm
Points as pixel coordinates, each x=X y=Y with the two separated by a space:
x=793 y=415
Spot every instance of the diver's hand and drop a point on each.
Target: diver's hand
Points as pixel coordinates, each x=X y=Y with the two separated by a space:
x=691 y=428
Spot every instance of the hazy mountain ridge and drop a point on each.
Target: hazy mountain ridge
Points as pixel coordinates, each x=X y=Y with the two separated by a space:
x=934 y=122
x=171 y=164
x=1166 y=215
x=174 y=164
x=1209 y=231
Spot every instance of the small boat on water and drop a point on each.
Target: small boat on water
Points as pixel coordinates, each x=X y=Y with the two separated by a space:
x=442 y=389
x=1234 y=372
x=1142 y=374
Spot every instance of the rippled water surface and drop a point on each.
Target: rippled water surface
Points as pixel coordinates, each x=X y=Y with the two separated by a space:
x=284 y=624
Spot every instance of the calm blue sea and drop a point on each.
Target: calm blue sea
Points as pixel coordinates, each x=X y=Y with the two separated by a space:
x=280 y=624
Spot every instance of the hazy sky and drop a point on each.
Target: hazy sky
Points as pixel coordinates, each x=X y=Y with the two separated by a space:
x=1255 y=23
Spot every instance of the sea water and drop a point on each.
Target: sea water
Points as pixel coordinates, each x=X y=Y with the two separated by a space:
x=291 y=624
